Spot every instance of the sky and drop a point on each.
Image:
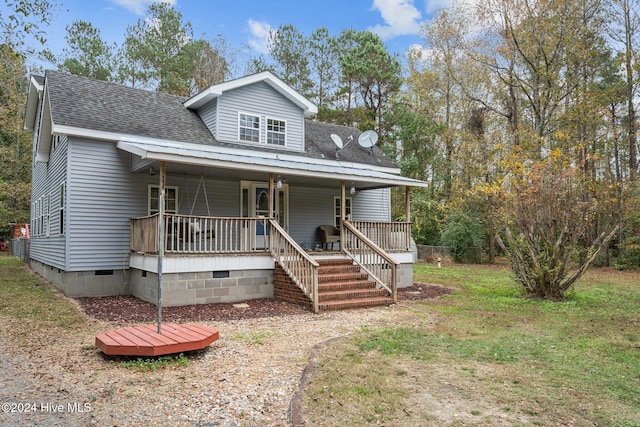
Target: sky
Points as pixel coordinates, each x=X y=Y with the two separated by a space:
x=245 y=24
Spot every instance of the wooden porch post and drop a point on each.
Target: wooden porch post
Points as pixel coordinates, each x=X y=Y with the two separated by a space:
x=271 y=198
x=407 y=201
x=161 y=190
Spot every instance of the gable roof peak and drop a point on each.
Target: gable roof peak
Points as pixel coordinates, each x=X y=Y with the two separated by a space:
x=267 y=77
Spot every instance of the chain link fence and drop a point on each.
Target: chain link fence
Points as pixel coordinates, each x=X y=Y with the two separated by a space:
x=20 y=248
x=431 y=254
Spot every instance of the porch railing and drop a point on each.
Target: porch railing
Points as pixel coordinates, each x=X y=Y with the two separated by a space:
x=380 y=266
x=389 y=236
x=300 y=267
x=188 y=234
x=144 y=234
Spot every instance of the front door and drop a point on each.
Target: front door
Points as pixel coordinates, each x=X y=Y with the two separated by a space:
x=255 y=203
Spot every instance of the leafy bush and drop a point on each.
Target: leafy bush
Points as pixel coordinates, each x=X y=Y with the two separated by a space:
x=463 y=231
x=549 y=243
x=630 y=258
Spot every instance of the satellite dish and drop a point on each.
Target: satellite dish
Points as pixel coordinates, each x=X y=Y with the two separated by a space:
x=337 y=140
x=368 y=139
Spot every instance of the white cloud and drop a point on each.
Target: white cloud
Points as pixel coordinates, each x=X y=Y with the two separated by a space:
x=400 y=16
x=419 y=52
x=139 y=6
x=259 y=35
x=434 y=5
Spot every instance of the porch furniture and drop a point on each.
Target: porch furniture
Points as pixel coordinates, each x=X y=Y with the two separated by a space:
x=329 y=234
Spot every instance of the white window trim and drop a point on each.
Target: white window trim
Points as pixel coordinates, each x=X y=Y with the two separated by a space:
x=61 y=214
x=259 y=141
x=168 y=187
x=37 y=227
x=47 y=220
x=286 y=127
x=336 y=202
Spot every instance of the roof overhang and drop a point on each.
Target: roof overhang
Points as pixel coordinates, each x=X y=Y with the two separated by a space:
x=267 y=77
x=33 y=98
x=198 y=155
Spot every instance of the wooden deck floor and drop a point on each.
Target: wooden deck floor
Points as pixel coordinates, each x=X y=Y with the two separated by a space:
x=145 y=341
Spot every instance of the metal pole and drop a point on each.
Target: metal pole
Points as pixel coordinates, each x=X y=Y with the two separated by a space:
x=343 y=212
x=161 y=190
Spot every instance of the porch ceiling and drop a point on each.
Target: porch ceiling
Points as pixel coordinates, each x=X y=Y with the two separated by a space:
x=182 y=158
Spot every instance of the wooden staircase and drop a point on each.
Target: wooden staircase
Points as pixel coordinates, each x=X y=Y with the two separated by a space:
x=341 y=285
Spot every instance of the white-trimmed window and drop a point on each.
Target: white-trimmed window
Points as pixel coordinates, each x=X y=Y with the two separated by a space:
x=276 y=132
x=47 y=213
x=55 y=140
x=33 y=219
x=170 y=199
x=36 y=230
x=41 y=216
x=347 y=210
x=61 y=208
x=248 y=127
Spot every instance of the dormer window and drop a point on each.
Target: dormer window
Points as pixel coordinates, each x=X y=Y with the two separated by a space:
x=276 y=132
x=261 y=130
x=249 y=128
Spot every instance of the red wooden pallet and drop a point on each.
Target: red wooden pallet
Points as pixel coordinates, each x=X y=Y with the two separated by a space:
x=144 y=340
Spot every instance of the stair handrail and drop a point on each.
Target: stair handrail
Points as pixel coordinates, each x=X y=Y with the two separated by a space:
x=301 y=268
x=371 y=258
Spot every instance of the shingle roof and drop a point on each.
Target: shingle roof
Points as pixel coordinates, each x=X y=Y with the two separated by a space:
x=320 y=145
x=39 y=80
x=97 y=105
x=92 y=104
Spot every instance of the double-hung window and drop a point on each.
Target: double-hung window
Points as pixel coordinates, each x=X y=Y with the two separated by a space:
x=170 y=199
x=276 y=132
x=249 y=128
x=61 y=207
x=337 y=211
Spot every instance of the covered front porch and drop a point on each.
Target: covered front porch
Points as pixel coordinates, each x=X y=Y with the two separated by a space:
x=218 y=259
x=220 y=227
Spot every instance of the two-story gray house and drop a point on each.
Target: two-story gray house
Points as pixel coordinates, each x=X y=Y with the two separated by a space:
x=217 y=198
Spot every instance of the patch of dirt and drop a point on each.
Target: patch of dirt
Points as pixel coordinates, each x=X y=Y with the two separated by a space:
x=420 y=291
x=129 y=309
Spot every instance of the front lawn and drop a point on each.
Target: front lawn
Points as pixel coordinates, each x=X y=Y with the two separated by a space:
x=486 y=355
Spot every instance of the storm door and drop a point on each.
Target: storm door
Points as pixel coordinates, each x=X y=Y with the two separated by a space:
x=255 y=204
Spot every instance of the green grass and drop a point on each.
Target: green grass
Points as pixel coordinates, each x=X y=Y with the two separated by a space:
x=155 y=363
x=574 y=360
x=255 y=337
x=26 y=298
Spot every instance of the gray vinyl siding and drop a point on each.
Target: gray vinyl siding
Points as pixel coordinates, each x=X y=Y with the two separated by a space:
x=138 y=163
x=46 y=179
x=372 y=205
x=310 y=207
x=209 y=116
x=265 y=102
x=222 y=197
x=102 y=197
